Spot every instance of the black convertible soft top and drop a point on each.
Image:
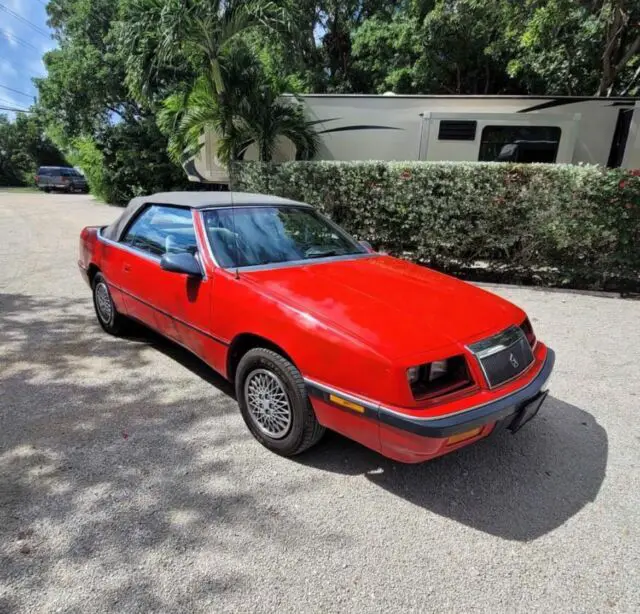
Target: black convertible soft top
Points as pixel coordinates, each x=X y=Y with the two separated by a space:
x=194 y=200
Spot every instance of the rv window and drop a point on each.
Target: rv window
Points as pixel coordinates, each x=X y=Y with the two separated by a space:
x=457 y=130
x=519 y=144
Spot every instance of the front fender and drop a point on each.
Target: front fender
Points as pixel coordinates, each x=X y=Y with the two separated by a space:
x=320 y=351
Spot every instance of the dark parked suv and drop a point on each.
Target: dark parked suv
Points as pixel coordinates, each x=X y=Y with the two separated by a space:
x=61 y=178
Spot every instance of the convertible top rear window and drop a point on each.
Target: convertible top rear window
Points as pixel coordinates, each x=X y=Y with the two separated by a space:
x=252 y=236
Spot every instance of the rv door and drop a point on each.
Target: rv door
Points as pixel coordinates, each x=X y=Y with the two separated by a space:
x=498 y=137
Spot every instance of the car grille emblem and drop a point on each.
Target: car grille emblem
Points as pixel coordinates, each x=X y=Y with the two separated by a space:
x=514 y=361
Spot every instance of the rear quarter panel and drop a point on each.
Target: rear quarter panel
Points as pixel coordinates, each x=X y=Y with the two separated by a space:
x=95 y=254
x=88 y=239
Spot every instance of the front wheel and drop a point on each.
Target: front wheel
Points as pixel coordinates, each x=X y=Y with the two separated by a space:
x=108 y=317
x=274 y=403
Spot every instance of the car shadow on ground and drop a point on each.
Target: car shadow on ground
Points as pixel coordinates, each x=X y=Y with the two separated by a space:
x=518 y=487
x=138 y=333
x=112 y=474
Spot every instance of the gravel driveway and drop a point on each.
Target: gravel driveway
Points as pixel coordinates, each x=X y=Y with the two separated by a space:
x=129 y=483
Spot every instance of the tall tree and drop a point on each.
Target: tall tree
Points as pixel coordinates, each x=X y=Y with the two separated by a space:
x=24 y=147
x=575 y=47
x=621 y=44
x=384 y=55
x=84 y=88
x=159 y=35
x=88 y=106
x=336 y=20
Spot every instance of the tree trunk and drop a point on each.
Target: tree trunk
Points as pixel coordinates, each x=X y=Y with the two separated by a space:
x=264 y=151
x=611 y=68
x=629 y=85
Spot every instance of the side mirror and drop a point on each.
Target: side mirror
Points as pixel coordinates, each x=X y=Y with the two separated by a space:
x=184 y=263
x=367 y=246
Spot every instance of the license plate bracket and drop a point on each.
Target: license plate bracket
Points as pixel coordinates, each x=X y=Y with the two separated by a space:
x=527 y=412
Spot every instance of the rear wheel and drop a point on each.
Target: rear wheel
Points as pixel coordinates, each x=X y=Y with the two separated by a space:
x=106 y=312
x=274 y=403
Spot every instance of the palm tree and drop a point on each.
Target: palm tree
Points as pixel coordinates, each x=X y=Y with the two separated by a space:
x=160 y=36
x=231 y=94
x=248 y=110
x=264 y=115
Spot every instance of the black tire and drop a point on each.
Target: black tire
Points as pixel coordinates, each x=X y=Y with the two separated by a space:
x=111 y=321
x=303 y=430
x=46 y=190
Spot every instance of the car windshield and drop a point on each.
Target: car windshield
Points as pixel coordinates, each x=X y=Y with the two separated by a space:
x=250 y=236
x=70 y=172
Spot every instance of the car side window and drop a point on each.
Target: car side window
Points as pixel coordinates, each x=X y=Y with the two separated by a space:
x=159 y=230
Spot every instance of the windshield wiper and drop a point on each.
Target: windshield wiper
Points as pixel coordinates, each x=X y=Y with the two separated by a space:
x=321 y=253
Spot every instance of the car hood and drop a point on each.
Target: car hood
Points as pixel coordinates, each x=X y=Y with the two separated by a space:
x=396 y=307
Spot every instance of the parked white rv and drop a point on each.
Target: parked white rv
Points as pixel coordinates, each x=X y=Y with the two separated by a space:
x=602 y=131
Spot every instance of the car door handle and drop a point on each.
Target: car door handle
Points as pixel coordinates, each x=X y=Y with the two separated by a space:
x=126 y=268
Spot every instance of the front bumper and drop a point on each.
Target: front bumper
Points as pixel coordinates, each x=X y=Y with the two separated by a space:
x=411 y=438
x=476 y=416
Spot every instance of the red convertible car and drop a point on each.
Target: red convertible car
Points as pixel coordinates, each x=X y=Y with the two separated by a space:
x=315 y=329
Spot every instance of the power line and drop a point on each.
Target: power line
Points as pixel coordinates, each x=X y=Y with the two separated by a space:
x=6 y=87
x=10 y=36
x=2 y=108
x=10 y=102
x=33 y=26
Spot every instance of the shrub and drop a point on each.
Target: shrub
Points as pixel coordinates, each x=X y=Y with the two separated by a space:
x=558 y=224
x=126 y=160
x=84 y=154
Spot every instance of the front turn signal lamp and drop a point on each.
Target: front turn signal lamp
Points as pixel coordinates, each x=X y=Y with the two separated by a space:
x=527 y=329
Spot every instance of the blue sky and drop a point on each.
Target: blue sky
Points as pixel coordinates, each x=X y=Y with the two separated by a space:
x=22 y=46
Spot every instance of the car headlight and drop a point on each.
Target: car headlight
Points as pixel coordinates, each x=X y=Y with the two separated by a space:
x=439 y=377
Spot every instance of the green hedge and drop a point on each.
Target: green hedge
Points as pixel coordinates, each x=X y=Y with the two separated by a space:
x=576 y=226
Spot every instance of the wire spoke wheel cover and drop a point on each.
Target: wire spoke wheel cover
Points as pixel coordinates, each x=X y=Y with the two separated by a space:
x=268 y=403
x=103 y=302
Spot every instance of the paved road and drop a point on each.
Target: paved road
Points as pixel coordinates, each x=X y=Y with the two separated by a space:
x=129 y=483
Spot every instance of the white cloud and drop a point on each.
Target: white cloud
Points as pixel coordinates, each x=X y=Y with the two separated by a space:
x=9 y=39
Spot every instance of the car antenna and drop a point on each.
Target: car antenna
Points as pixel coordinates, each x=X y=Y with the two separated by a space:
x=235 y=234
